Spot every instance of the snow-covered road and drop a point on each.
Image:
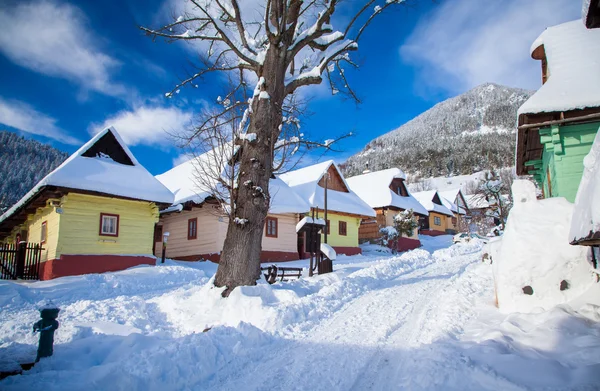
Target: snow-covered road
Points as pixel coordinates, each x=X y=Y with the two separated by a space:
x=371 y=342
x=423 y=320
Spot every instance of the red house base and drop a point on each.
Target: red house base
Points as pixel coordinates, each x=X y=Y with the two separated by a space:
x=74 y=265
x=265 y=256
x=405 y=244
x=431 y=232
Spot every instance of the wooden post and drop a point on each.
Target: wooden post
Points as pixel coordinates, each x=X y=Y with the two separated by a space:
x=21 y=253
x=325 y=265
x=307 y=237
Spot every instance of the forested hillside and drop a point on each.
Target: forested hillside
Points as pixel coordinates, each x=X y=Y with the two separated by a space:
x=471 y=132
x=23 y=163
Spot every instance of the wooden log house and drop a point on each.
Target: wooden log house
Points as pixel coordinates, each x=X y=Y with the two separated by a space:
x=385 y=191
x=345 y=212
x=94 y=213
x=436 y=223
x=197 y=221
x=557 y=125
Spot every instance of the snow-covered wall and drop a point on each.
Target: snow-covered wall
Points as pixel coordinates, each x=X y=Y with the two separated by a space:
x=535 y=252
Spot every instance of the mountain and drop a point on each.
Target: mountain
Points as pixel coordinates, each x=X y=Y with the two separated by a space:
x=23 y=163
x=471 y=132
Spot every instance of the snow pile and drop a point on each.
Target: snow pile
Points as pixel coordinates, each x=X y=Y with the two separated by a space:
x=309 y=220
x=328 y=251
x=586 y=217
x=374 y=189
x=535 y=267
x=424 y=320
x=573 y=54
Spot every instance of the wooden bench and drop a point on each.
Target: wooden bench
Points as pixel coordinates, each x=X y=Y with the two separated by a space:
x=274 y=272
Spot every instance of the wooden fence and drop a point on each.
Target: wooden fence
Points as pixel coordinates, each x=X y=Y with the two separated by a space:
x=20 y=261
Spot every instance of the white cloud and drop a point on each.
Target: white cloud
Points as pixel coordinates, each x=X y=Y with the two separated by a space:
x=21 y=116
x=147 y=125
x=463 y=43
x=184 y=157
x=55 y=40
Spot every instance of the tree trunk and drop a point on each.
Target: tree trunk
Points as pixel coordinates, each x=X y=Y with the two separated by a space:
x=240 y=260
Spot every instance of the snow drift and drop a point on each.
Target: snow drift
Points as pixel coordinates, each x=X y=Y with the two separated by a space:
x=535 y=267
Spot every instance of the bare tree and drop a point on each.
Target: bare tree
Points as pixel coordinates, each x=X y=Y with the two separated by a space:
x=284 y=45
x=421 y=184
x=495 y=188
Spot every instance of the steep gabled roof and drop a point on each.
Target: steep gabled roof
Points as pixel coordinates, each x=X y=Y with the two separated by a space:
x=427 y=198
x=573 y=56
x=374 y=189
x=448 y=199
x=182 y=181
x=103 y=165
x=305 y=182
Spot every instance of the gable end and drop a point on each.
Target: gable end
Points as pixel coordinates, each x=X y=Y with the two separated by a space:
x=110 y=146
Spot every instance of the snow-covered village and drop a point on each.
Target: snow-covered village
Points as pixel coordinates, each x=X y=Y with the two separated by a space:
x=300 y=195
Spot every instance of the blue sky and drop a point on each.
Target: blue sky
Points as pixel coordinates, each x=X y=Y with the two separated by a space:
x=68 y=68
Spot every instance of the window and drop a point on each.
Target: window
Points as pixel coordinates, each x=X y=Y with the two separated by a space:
x=192 y=228
x=437 y=221
x=158 y=233
x=44 y=232
x=343 y=228
x=454 y=221
x=271 y=227
x=109 y=224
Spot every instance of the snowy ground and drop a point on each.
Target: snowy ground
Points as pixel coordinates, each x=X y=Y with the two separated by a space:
x=422 y=320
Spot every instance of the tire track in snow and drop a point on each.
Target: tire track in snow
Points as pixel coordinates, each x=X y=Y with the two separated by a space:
x=340 y=350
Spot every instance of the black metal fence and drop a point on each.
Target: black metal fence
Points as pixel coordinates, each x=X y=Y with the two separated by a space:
x=20 y=261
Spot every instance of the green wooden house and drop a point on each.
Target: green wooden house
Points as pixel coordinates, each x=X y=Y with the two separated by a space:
x=558 y=124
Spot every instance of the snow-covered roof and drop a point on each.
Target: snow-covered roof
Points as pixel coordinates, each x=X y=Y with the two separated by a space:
x=182 y=181
x=585 y=224
x=426 y=199
x=305 y=182
x=102 y=174
x=448 y=199
x=374 y=189
x=573 y=57
x=477 y=201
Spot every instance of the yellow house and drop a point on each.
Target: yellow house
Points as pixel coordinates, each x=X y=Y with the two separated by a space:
x=197 y=222
x=345 y=210
x=94 y=213
x=455 y=201
x=437 y=222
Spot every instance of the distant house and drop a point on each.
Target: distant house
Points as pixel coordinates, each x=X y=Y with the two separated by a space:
x=386 y=192
x=455 y=201
x=346 y=210
x=94 y=213
x=437 y=222
x=557 y=125
x=478 y=204
x=197 y=221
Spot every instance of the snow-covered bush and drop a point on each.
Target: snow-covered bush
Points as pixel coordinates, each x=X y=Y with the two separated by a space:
x=534 y=265
x=405 y=224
